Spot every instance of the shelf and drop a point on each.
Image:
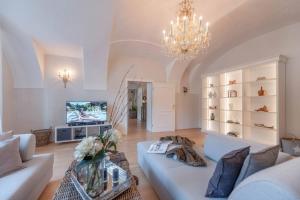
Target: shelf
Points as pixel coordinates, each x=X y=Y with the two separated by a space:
x=253 y=126
x=261 y=81
x=273 y=95
x=231 y=110
x=225 y=85
x=231 y=97
x=260 y=112
x=211 y=120
x=210 y=98
x=232 y=123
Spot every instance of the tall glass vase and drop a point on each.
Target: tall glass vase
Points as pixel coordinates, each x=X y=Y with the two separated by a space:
x=90 y=176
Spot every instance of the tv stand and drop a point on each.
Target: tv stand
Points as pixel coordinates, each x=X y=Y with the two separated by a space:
x=77 y=133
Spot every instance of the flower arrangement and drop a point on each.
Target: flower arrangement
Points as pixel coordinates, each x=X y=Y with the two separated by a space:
x=94 y=148
x=90 y=154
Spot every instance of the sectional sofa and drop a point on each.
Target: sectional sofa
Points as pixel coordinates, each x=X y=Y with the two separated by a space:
x=174 y=180
x=28 y=182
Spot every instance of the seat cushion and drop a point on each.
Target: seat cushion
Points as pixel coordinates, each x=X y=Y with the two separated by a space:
x=217 y=145
x=29 y=180
x=227 y=171
x=172 y=179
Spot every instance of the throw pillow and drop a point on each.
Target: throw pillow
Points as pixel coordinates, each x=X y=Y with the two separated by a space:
x=10 y=159
x=258 y=161
x=226 y=173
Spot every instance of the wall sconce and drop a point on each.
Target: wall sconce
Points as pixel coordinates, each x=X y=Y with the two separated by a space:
x=65 y=77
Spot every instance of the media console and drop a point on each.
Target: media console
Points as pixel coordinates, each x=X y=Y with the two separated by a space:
x=76 y=133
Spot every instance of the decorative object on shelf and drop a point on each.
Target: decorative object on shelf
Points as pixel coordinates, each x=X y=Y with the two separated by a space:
x=187 y=36
x=261 y=78
x=262 y=109
x=212 y=116
x=211 y=85
x=232 y=122
x=185 y=89
x=232 y=93
x=262 y=92
x=212 y=107
x=91 y=155
x=212 y=94
x=65 y=77
x=263 y=126
x=233 y=134
x=231 y=82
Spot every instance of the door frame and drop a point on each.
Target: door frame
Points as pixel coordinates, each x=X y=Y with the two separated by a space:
x=125 y=120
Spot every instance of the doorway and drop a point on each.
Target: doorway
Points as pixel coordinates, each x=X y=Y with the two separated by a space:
x=139 y=102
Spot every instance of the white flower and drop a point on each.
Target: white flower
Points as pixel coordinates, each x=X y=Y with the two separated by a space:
x=115 y=136
x=87 y=147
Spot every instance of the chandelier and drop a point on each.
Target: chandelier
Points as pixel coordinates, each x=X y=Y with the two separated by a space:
x=188 y=35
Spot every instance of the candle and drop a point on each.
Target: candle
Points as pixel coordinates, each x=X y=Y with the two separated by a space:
x=184 y=24
x=207 y=24
x=172 y=27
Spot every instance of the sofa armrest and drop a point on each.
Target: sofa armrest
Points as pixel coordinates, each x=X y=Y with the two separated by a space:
x=280 y=182
x=27 y=146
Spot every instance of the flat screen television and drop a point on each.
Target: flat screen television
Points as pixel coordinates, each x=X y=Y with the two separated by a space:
x=86 y=112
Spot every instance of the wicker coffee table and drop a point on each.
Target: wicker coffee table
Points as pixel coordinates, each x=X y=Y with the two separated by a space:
x=67 y=190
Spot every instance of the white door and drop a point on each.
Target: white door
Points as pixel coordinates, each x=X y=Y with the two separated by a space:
x=163 y=107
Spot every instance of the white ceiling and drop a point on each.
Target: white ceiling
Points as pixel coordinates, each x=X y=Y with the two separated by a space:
x=100 y=30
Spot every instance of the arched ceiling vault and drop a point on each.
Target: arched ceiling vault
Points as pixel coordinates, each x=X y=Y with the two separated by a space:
x=101 y=31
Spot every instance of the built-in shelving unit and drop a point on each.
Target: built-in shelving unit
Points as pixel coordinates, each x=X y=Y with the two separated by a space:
x=248 y=102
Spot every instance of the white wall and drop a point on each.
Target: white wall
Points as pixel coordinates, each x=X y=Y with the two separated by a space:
x=284 y=41
x=187 y=111
x=1 y=81
x=27 y=109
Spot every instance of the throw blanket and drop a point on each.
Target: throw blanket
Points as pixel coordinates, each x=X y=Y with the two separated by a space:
x=186 y=155
x=178 y=140
x=185 y=152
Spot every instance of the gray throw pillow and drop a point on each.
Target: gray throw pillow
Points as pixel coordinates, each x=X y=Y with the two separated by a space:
x=226 y=173
x=258 y=161
x=10 y=158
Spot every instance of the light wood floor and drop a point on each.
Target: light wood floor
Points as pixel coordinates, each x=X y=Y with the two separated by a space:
x=63 y=156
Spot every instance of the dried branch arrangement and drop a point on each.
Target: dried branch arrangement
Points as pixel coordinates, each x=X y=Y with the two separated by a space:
x=120 y=109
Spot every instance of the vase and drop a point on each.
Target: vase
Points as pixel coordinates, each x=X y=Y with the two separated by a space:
x=90 y=175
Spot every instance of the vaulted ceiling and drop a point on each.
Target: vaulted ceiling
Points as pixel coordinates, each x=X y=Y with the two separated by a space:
x=101 y=30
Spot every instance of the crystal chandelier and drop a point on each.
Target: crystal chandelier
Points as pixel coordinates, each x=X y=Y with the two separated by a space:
x=186 y=37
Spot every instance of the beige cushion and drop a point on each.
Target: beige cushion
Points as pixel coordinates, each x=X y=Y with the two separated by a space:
x=27 y=146
x=10 y=159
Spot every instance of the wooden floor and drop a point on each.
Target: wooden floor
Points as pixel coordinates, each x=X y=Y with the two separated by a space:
x=63 y=156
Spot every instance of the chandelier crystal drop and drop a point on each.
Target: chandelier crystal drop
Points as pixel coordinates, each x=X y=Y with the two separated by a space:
x=188 y=35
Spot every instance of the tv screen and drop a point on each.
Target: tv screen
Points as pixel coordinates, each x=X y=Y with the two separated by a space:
x=86 y=111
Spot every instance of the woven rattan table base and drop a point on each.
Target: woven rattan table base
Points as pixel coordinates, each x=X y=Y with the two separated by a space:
x=67 y=190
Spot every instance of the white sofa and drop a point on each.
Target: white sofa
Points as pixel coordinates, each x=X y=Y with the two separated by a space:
x=174 y=180
x=28 y=182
